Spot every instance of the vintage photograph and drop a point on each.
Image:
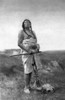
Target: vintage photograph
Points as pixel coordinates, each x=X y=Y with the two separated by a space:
x=32 y=49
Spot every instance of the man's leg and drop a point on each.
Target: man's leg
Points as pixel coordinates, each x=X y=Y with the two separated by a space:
x=37 y=83
x=28 y=68
x=27 y=78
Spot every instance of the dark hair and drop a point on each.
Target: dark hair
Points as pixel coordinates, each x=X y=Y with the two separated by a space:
x=24 y=22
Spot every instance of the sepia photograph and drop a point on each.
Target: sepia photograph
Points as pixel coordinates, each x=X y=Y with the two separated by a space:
x=32 y=49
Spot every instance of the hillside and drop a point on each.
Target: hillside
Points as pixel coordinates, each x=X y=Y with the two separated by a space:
x=52 y=71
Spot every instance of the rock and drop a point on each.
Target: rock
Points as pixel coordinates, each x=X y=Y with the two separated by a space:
x=48 y=87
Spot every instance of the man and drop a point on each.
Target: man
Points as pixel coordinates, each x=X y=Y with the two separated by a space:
x=27 y=41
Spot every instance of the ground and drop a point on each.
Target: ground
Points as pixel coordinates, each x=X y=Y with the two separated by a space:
x=12 y=80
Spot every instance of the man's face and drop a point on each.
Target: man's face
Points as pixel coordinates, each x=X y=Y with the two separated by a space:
x=27 y=25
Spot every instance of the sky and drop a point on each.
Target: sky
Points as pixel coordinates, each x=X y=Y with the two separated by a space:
x=47 y=17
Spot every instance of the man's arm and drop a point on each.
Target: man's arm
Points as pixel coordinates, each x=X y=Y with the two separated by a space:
x=35 y=36
x=20 y=41
x=38 y=46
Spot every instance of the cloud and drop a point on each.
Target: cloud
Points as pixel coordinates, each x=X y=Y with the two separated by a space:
x=33 y=6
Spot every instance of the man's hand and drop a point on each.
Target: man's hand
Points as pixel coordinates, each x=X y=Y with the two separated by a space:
x=31 y=51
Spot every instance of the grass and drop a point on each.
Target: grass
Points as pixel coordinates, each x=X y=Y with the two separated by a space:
x=12 y=78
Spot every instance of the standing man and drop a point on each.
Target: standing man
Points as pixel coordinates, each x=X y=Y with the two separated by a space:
x=27 y=41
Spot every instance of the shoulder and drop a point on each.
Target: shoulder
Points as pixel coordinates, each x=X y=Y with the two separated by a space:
x=34 y=34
